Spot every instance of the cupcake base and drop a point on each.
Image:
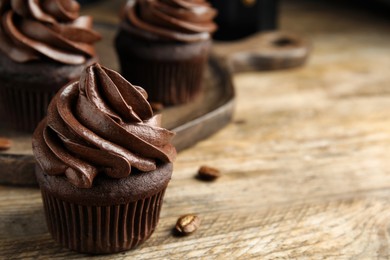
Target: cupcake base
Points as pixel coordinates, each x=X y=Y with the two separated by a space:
x=112 y=216
x=170 y=72
x=27 y=88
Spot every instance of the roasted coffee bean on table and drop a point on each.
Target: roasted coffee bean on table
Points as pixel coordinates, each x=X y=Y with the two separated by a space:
x=187 y=224
x=208 y=173
x=5 y=144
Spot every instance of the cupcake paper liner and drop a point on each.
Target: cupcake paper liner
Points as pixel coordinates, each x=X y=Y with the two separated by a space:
x=102 y=229
x=170 y=83
x=24 y=108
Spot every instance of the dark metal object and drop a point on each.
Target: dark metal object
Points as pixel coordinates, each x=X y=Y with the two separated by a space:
x=240 y=18
x=87 y=1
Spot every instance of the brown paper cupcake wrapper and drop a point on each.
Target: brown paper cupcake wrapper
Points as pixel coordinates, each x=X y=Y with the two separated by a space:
x=169 y=83
x=102 y=229
x=24 y=108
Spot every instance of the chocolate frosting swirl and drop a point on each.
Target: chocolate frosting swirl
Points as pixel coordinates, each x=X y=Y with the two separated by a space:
x=178 y=20
x=37 y=29
x=100 y=124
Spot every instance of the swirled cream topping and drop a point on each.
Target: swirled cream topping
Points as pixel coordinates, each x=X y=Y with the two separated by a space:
x=100 y=124
x=52 y=29
x=178 y=20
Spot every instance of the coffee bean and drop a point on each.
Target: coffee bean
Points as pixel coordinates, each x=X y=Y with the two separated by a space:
x=240 y=122
x=5 y=144
x=208 y=173
x=157 y=106
x=187 y=224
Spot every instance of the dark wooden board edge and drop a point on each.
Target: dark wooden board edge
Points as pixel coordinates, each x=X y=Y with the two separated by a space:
x=190 y=133
x=17 y=170
x=199 y=129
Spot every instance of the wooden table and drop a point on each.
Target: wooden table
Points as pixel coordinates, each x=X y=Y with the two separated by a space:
x=305 y=163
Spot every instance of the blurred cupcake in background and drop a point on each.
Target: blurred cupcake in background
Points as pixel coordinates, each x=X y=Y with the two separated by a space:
x=43 y=46
x=163 y=45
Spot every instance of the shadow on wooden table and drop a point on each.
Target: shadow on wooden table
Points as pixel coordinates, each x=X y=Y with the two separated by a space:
x=27 y=222
x=24 y=234
x=19 y=230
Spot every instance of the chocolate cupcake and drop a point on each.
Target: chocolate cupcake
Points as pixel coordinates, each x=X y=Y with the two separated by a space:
x=103 y=164
x=163 y=45
x=43 y=46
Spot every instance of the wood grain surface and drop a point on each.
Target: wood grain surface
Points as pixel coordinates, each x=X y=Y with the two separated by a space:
x=305 y=164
